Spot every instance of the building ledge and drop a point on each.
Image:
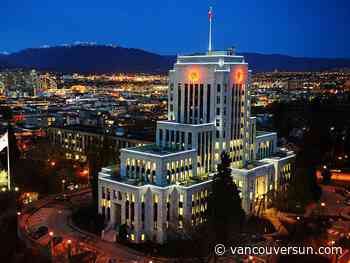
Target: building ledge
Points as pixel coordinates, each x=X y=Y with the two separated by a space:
x=157 y=151
x=109 y=174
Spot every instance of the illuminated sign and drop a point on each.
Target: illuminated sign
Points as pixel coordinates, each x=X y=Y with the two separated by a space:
x=193 y=76
x=239 y=75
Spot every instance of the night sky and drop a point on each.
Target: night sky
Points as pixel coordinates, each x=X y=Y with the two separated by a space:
x=312 y=28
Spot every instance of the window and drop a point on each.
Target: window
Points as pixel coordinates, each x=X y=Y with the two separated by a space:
x=155 y=210
x=127 y=210
x=180 y=224
x=160 y=135
x=181 y=211
x=189 y=138
x=217 y=111
x=208 y=102
x=218 y=88
x=179 y=103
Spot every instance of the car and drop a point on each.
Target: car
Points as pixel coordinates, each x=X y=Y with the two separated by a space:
x=40 y=232
x=63 y=197
x=56 y=240
x=71 y=187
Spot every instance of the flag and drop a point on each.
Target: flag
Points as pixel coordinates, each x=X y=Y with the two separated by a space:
x=210 y=14
x=4 y=142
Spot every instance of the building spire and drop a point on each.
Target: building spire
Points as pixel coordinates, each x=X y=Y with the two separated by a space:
x=210 y=16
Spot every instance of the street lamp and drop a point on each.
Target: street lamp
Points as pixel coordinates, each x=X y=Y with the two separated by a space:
x=69 y=242
x=51 y=243
x=63 y=182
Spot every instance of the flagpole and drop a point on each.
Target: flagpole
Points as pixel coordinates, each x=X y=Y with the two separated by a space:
x=8 y=163
x=210 y=18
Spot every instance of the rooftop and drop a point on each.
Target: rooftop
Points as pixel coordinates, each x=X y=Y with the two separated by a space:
x=281 y=154
x=252 y=165
x=213 y=57
x=263 y=133
x=155 y=149
x=111 y=173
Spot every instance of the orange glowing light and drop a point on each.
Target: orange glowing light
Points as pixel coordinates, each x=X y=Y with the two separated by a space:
x=239 y=76
x=193 y=76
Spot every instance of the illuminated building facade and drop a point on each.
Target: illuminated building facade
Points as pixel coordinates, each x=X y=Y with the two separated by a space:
x=163 y=188
x=75 y=141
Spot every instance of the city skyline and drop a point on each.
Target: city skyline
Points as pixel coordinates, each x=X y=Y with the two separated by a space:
x=173 y=131
x=296 y=29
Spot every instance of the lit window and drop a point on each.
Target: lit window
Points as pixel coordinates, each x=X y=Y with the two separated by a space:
x=181 y=197
x=155 y=198
x=181 y=211
x=180 y=224
x=142 y=237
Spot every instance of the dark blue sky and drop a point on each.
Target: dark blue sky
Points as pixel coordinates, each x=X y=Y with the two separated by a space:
x=313 y=28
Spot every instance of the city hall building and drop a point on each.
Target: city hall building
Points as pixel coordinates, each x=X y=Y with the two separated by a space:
x=162 y=189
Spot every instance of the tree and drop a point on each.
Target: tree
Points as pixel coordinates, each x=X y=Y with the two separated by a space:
x=6 y=113
x=122 y=232
x=326 y=174
x=94 y=163
x=225 y=213
x=99 y=156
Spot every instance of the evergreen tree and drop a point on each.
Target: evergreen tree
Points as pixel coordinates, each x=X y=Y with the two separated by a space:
x=99 y=156
x=225 y=213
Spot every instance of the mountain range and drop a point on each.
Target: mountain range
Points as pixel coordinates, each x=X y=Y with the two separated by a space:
x=110 y=59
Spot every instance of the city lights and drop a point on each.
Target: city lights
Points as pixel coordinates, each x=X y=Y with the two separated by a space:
x=120 y=154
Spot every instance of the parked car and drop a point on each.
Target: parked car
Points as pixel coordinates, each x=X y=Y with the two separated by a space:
x=56 y=240
x=63 y=197
x=40 y=232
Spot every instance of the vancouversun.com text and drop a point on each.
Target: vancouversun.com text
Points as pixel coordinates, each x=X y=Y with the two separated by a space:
x=221 y=250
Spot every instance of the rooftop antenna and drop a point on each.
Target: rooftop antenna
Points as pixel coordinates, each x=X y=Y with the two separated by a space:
x=210 y=16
